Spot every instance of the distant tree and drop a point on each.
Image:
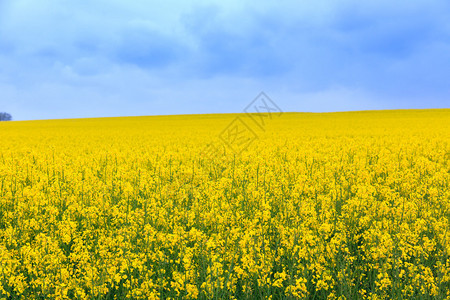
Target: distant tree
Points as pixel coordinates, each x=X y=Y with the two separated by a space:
x=5 y=116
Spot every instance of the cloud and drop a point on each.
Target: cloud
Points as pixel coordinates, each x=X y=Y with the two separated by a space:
x=148 y=48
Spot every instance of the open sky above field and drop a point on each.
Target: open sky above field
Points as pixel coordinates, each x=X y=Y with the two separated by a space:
x=66 y=59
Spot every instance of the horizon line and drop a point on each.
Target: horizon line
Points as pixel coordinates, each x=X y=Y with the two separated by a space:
x=235 y=113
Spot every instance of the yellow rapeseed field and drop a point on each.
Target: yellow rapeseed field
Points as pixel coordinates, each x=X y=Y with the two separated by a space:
x=319 y=206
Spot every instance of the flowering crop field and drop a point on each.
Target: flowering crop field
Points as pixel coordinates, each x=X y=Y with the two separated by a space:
x=320 y=206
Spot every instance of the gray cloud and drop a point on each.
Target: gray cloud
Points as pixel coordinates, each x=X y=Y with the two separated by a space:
x=148 y=49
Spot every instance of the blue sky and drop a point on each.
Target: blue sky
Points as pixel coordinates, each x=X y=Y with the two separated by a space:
x=98 y=58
